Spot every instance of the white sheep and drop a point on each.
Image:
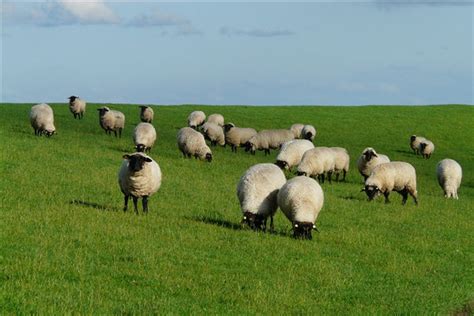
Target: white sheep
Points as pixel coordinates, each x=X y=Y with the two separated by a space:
x=237 y=136
x=77 y=106
x=415 y=143
x=257 y=193
x=341 y=162
x=144 y=137
x=392 y=176
x=291 y=153
x=214 y=133
x=192 y=143
x=111 y=120
x=301 y=200
x=308 y=132
x=449 y=174
x=139 y=177
x=216 y=119
x=268 y=139
x=369 y=160
x=196 y=119
x=426 y=148
x=146 y=114
x=296 y=129
x=42 y=119
x=317 y=162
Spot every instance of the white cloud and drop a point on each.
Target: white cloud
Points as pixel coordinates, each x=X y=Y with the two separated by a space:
x=228 y=31
x=90 y=12
x=159 y=19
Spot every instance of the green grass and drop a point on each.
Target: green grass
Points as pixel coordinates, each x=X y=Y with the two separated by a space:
x=66 y=246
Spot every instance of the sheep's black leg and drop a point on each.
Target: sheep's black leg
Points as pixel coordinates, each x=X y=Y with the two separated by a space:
x=386 y=194
x=272 y=227
x=125 y=205
x=344 y=175
x=337 y=177
x=145 y=204
x=322 y=177
x=414 y=197
x=329 y=177
x=267 y=151
x=404 y=194
x=120 y=133
x=135 y=200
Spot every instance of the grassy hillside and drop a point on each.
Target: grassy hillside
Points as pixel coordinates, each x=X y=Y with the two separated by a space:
x=66 y=246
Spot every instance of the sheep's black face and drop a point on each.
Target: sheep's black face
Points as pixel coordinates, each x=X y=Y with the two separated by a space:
x=372 y=191
x=281 y=164
x=227 y=127
x=308 y=135
x=72 y=98
x=102 y=111
x=254 y=221
x=209 y=157
x=303 y=230
x=49 y=133
x=248 y=146
x=412 y=138
x=136 y=162
x=140 y=148
x=369 y=154
x=422 y=146
x=301 y=173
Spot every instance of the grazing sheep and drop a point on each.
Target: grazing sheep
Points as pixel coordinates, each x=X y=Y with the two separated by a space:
x=426 y=148
x=146 y=114
x=341 y=162
x=291 y=153
x=192 y=143
x=139 y=177
x=392 y=176
x=449 y=174
x=42 y=119
x=216 y=119
x=77 y=106
x=317 y=162
x=369 y=160
x=214 y=133
x=237 y=136
x=301 y=200
x=144 y=137
x=308 y=132
x=296 y=129
x=268 y=139
x=111 y=120
x=196 y=119
x=415 y=143
x=257 y=192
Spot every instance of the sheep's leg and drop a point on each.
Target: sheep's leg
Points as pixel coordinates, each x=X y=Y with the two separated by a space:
x=337 y=177
x=272 y=227
x=135 y=201
x=344 y=175
x=115 y=132
x=414 y=196
x=404 y=194
x=125 y=206
x=386 y=194
x=120 y=133
x=145 y=204
x=329 y=176
x=265 y=225
x=267 y=151
x=321 y=178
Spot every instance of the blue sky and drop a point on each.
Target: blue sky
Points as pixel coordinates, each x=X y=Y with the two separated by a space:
x=267 y=53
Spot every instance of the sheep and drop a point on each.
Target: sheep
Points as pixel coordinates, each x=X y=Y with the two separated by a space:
x=268 y=139
x=139 y=177
x=192 y=143
x=449 y=174
x=237 y=136
x=317 y=162
x=214 y=133
x=415 y=143
x=426 y=148
x=111 y=120
x=144 y=137
x=77 y=106
x=291 y=153
x=257 y=192
x=392 y=176
x=308 y=132
x=369 y=160
x=216 y=119
x=301 y=200
x=341 y=162
x=42 y=119
x=296 y=129
x=146 y=114
x=196 y=119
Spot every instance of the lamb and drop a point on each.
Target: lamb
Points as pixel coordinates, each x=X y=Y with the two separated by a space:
x=196 y=119
x=77 y=106
x=415 y=143
x=426 y=148
x=392 y=176
x=138 y=177
x=308 y=132
x=111 y=120
x=216 y=119
x=192 y=143
x=341 y=162
x=214 y=133
x=237 y=136
x=369 y=160
x=257 y=193
x=291 y=153
x=268 y=139
x=144 y=137
x=317 y=162
x=301 y=200
x=146 y=114
x=42 y=119
x=449 y=174
x=296 y=129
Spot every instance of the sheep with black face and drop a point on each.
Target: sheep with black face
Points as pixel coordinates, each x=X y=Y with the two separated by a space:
x=139 y=177
x=146 y=114
x=369 y=160
x=192 y=143
x=77 y=106
x=42 y=119
x=111 y=121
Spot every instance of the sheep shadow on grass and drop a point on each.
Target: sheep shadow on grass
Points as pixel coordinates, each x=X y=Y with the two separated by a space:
x=95 y=205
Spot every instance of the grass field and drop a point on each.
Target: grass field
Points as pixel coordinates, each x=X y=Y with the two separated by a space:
x=66 y=246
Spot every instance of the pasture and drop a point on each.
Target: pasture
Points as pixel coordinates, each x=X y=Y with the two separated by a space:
x=66 y=246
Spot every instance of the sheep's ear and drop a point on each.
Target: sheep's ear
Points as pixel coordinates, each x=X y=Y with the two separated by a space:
x=147 y=159
x=374 y=154
x=126 y=157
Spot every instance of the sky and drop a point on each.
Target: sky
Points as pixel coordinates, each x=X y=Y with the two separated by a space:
x=265 y=53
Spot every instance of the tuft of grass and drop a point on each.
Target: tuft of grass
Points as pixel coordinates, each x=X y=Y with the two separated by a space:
x=66 y=246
